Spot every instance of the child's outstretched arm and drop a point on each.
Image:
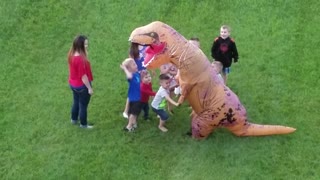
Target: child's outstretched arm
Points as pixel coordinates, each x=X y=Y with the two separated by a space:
x=126 y=71
x=168 y=98
x=147 y=91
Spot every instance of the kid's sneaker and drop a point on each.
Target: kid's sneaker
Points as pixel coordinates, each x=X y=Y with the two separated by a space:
x=135 y=126
x=74 y=122
x=86 y=126
x=128 y=130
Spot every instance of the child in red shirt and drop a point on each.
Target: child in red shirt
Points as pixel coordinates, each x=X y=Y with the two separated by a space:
x=146 y=92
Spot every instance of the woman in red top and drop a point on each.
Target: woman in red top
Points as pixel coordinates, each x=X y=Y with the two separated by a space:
x=80 y=78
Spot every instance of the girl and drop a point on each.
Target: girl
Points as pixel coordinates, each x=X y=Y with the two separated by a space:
x=80 y=78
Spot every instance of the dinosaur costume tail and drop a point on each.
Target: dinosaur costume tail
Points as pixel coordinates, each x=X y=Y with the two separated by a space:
x=251 y=129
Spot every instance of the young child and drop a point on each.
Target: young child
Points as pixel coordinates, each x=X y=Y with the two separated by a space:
x=217 y=66
x=224 y=50
x=134 y=95
x=137 y=52
x=159 y=102
x=171 y=70
x=146 y=92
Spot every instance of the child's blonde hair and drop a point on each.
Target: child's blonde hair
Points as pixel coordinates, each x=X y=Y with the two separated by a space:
x=127 y=61
x=226 y=27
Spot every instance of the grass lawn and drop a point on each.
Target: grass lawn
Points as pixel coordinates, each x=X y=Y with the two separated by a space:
x=277 y=80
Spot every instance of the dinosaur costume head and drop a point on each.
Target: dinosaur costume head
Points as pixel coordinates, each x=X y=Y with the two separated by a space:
x=214 y=104
x=159 y=37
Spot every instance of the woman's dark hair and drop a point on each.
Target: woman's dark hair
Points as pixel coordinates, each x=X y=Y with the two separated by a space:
x=78 y=45
x=134 y=50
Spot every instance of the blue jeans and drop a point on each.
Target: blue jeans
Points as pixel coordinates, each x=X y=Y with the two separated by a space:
x=162 y=113
x=81 y=99
x=226 y=70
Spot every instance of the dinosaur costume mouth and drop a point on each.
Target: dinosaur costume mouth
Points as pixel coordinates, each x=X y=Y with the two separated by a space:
x=151 y=52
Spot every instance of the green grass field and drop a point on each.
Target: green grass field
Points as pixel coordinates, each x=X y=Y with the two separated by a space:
x=277 y=80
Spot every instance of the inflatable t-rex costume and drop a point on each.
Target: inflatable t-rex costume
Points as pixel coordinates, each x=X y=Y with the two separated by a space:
x=214 y=104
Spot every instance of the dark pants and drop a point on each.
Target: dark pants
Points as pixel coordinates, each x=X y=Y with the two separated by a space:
x=145 y=109
x=81 y=99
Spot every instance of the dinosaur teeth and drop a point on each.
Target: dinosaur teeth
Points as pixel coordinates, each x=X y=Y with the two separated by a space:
x=146 y=65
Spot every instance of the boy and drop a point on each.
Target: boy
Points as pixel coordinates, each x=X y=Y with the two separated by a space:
x=131 y=70
x=223 y=50
x=171 y=70
x=217 y=66
x=159 y=102
x=137 y=52
x=146 y=92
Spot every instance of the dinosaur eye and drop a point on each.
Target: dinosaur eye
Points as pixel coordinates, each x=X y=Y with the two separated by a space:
x=152 y=34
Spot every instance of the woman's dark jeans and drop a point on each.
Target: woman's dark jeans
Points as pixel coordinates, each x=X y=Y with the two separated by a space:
x=81 y=99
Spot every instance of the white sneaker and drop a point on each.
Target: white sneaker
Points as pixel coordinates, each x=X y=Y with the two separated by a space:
x=74 y=121
x=125 y=115
x=135 y=126
x=128 y=130
x=86 y=126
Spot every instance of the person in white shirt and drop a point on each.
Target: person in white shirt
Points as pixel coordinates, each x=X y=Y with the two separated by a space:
x=159 y=101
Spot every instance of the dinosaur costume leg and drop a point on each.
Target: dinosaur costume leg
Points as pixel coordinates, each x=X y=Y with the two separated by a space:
x=203 y=125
